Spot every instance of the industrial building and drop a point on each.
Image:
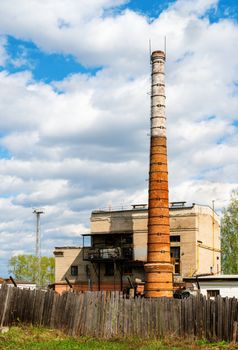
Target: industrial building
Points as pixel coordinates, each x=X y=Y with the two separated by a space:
x=156 y=245
x=116 y=248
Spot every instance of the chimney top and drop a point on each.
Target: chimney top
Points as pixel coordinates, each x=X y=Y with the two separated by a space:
x=158 y=54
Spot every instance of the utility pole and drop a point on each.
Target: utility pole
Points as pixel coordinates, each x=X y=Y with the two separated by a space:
x=213 y=235
x=38 y=212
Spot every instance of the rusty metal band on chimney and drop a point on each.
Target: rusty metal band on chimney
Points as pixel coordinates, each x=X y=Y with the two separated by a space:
x=159 y=270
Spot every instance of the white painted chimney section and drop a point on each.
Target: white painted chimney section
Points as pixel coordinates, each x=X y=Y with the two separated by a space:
x=158 y=118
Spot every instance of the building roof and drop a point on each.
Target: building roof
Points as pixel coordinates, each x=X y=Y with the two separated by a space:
x=68 y=247
x=175 y=208
x=212 y=278
x=144 y=207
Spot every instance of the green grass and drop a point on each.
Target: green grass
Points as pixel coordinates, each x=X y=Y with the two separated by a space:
x=33 y=338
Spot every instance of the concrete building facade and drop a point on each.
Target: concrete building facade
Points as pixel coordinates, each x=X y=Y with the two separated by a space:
x=116 y=248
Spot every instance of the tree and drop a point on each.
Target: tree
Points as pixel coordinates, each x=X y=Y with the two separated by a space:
x=229 y=236
x=25 y=267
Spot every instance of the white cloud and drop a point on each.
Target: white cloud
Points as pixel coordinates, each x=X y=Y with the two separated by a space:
x=42 y=22
x=204 y=192
x=190 y=7
x=82 y=143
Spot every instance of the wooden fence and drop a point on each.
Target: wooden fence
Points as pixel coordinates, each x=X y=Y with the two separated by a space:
x=108 y=314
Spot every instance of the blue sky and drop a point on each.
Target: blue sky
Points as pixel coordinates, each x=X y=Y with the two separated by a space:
x=44 y=66
x=75 y=106
x=150 y=8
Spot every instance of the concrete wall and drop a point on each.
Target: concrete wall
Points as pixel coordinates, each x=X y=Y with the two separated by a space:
x=114 y=221
x=183 y=224
x=70 y=256
x=193 y=224
x=65 y=257
x=208 y=241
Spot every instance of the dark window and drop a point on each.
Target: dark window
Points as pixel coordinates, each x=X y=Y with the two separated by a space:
x=127 y=269
x=109 y=241
x=176 y=268
x=109 y=269
x=175 y=252
x=127 y=253
x=175 y=258
x=129 y=239
x=213 y=293
x=74 y=270
x=174 y=238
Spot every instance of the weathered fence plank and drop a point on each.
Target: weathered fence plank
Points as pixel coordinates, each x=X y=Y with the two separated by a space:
x=105 y=314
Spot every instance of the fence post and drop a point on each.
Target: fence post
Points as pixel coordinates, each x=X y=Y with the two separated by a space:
x=234 y=335
x=4 y=309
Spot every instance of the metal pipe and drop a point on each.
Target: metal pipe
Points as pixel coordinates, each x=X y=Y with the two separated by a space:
x=68 y=282
x=129 y=280
x=159 y=270
x=13 y=281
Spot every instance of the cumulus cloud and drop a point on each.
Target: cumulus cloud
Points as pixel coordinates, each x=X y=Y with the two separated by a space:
x=204 y=192
x=82 y=143
x=188 y=7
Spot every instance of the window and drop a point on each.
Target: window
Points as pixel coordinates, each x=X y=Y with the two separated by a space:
x=174 y=238
x=175 y=258
x=87 y=241
x=175 y=252
x=176 y=268
x=109 y=269
x=127 y=269
x=129 y=239
x=213 y=293
x=127 y=253
x=109 y=241
x=74 y=270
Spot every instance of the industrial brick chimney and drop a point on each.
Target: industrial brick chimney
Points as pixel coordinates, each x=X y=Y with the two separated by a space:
x=159 y=270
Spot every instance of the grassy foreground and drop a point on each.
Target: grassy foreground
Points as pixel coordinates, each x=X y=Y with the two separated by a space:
x=30 y=338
